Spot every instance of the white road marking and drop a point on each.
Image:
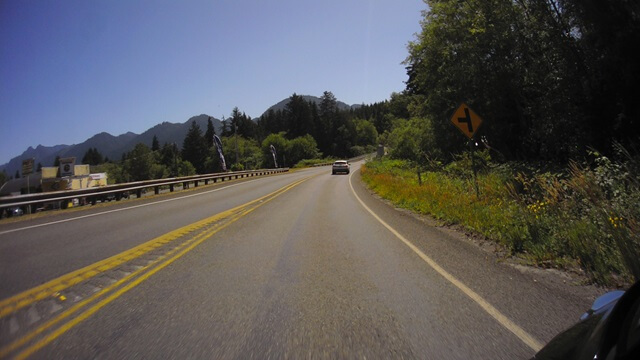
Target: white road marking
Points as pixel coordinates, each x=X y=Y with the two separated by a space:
x=123 y=209
x=484 y=304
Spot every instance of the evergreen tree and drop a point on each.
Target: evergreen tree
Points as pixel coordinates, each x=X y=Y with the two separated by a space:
x=330 y=122
x=236 y=118
x=226 y=130
x=155 y=145
x=298 y=117
x=92 y=157
x=315 y=120
x=170 y=158
x=208 y=135
x=266 y=122
x=248 y=127
x=328 y=105
x=194 y=148
x=241 y=124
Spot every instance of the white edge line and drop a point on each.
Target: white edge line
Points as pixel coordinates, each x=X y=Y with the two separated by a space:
x=529 y=340
x=123 y=209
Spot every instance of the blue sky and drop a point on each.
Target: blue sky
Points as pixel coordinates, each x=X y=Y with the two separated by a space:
x=72 y=69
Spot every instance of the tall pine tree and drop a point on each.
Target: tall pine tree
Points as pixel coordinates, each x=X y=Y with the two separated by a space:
x=92 y=157
x=194 y=148
x=155 y=144
x=298 y=117
x=208 y=135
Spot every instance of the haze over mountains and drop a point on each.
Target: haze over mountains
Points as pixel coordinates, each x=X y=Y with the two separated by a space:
x=114 y=146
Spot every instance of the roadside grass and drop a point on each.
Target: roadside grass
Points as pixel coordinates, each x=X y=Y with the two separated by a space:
x=584 y=217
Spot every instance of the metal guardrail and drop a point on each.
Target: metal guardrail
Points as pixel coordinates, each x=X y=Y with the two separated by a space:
x=100 y=193
x=331 y=163
x=321 y=164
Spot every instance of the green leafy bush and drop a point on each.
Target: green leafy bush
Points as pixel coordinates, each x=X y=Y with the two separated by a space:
x=586 y=214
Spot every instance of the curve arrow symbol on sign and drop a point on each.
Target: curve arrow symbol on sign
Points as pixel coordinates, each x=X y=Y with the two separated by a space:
x=466 y=120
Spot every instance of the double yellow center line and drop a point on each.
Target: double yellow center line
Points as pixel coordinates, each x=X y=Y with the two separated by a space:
x=156 y=254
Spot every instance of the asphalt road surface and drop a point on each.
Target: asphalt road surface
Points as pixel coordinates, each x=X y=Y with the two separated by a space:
x=298 y=265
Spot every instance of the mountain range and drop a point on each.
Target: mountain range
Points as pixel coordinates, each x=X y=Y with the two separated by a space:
x=114 y=146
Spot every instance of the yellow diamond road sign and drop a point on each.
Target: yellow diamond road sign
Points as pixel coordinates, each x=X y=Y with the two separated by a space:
x=466 y=120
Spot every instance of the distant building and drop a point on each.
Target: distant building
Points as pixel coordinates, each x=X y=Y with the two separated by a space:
x=47 y=180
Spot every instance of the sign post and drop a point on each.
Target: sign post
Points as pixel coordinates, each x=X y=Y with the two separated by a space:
x=27 y=166
x=473 y=166
x=468 y=122
x=27 y=169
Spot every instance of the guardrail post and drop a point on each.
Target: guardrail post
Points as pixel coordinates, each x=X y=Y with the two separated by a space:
x=33 y=202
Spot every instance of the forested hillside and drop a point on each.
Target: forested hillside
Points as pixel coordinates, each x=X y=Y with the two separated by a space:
x=301 y=130
x=551 y=78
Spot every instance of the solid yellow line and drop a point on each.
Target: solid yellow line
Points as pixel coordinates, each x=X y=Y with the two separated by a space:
x=28 y=297
x=48 y=289
x=90 y=311
x=26 y=338
x=484 y=304
x=19 y=342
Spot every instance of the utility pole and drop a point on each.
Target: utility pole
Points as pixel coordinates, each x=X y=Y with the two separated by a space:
x=472 y=145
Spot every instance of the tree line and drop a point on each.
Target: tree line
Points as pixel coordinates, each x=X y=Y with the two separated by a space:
x=303 y=130
x=550 y=78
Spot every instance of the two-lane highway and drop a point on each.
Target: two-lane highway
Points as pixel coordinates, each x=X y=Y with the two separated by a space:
x=297 y=265
x=35 y=251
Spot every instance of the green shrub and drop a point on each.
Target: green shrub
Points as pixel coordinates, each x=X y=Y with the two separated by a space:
x=586 y=214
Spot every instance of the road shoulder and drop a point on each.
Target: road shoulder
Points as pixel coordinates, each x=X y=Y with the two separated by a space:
x=543 y=301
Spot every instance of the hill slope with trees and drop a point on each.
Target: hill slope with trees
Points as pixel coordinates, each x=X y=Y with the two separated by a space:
x=556 y=159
